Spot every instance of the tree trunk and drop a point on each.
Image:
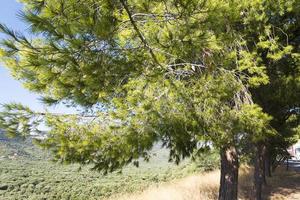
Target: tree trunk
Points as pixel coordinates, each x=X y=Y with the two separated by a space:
x=229 y=174
x=268 y=163
x=259 y=171
x=264 y=180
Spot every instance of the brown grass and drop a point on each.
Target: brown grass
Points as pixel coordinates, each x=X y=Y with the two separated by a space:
x=202 y=186
x=282 y=186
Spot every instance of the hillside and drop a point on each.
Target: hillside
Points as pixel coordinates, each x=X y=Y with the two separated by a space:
x=16 y=148
x=26 y=172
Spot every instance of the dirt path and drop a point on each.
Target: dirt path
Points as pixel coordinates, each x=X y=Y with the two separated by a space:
x=284 y=185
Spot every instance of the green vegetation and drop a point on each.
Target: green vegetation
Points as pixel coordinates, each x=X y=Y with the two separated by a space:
x=27 y=173
x=182 y=72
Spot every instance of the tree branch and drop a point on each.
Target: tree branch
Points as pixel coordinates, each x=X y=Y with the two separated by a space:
x=140 y=35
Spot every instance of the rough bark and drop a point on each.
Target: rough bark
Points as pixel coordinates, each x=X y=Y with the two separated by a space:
x=264 y=180
x=268 y=163
x=259 y=171
x=229 y=174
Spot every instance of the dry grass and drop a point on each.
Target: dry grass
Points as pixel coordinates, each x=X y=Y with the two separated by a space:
x=282 y=186
x=203 y=186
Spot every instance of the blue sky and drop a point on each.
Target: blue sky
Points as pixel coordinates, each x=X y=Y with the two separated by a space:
x=10 y=89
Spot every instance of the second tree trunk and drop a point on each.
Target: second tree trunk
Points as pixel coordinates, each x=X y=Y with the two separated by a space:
x=259 y=171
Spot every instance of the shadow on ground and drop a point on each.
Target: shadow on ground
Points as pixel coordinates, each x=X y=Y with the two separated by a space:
x=284 y=185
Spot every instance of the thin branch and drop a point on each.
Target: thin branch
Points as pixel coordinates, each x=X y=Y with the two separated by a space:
x=140 y=35
x=183 y=64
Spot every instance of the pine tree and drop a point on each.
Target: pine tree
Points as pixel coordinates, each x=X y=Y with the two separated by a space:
x=272 y=35
x=181 y=72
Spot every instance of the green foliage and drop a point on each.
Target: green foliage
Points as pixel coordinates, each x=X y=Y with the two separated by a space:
x=84 y=55
x=180 y=72
x=186 y=73
x=166 y=71
x=159 y=111
x=33 y=176
x=274 y=33
x=18 y=120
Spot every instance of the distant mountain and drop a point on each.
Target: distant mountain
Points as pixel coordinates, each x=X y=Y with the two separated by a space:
x=18 y=148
